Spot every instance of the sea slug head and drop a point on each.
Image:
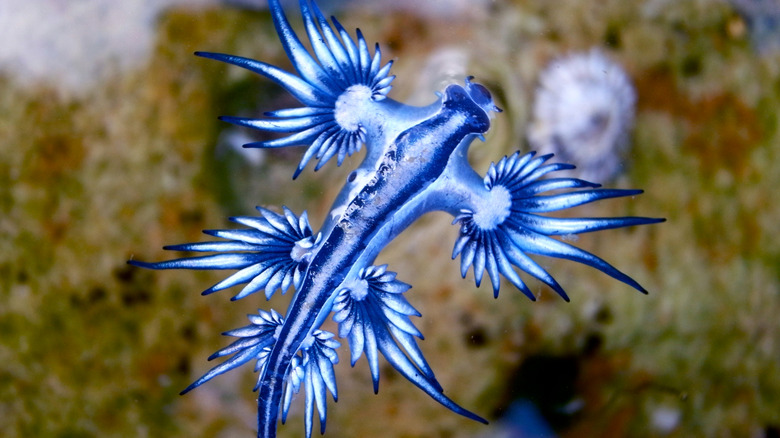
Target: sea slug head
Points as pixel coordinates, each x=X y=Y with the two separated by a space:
x=481 y=96
x=473 y=99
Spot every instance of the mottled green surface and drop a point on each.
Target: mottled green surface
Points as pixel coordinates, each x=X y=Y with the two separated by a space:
x=92 y=347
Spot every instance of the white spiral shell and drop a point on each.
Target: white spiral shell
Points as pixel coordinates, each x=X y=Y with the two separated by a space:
x=583 y=113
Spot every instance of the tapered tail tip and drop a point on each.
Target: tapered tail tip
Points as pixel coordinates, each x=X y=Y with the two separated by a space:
x=140 y=264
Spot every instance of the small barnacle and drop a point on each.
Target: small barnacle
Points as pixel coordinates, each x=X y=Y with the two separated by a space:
x=583 y=112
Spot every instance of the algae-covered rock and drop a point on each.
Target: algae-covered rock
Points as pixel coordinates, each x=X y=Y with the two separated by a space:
x=136 y=160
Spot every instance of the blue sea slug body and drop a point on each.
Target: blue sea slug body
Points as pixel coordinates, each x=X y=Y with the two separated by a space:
x=415 y=162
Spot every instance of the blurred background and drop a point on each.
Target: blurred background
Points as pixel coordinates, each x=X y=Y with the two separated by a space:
x=110 y=148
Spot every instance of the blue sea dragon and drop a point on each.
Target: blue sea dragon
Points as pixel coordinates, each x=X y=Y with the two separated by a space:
x=415 y=162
